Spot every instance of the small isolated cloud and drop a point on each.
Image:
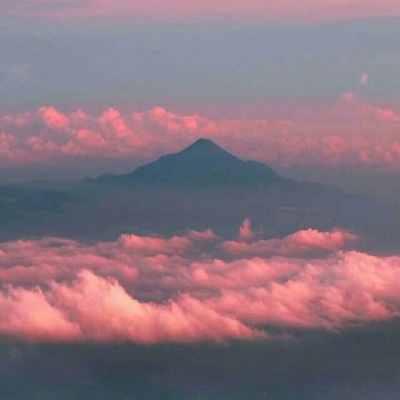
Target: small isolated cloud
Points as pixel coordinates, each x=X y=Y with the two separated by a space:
x=245 y=231
x=191 y=288
x=364 y=79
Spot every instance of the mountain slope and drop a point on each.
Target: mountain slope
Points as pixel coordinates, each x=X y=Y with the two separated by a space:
x=201 y=164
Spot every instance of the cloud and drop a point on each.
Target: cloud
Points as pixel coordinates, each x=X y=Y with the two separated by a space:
x=302 y=242
x=190 y=288
x=52 y=118
x=351 y=131
x=94 y=308
x=364 y=79
x=284 y=10
x=245 y=231
x=345 y=290
x=156 y=245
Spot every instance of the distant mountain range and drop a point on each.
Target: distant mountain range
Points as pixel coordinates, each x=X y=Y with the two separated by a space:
x=202 y=164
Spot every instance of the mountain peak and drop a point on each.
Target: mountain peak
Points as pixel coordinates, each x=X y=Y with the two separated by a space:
x=204 y=143
x=202 y=164
x=203 y=146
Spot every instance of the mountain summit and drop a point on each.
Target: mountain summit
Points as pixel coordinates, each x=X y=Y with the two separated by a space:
x=203 y=163
x=205 y=147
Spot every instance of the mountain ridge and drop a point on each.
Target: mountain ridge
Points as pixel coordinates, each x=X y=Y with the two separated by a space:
x=203 y=163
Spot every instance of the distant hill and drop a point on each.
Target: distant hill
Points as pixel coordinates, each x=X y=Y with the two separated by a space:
x=203 y=164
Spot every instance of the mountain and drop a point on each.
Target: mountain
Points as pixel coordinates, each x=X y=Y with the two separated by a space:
x=203 y=164
x=200 y=187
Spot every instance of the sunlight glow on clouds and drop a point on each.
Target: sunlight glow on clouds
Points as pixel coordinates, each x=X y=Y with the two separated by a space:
x=350 y=131
x=197 y=287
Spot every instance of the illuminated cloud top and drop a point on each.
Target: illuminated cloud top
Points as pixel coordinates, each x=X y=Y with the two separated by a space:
x=191 y=288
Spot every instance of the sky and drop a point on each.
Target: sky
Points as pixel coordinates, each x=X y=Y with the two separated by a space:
x=311 y=88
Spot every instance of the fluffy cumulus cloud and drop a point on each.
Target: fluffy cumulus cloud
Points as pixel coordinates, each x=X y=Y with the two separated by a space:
x=283 y=10
x=351 y=131
x=196 y=287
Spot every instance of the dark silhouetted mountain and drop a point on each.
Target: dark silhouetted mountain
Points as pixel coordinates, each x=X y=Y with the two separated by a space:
x=201 y=187
x=203 y=164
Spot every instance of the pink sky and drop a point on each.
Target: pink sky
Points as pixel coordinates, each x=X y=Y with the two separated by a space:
x=282 y=10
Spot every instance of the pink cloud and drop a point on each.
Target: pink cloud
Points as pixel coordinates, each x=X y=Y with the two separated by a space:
x=284 y=10
x=52 y=118
x=351 y=131
x=205 y=236
x=364 y=79
x=28 y=314
x=93 y=308
x=190 y=288
x=329 y=293
x=104 y=311
x=245 y=231
x=306 y=242
x=155 y=245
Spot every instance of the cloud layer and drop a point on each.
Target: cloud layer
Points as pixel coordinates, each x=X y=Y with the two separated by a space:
x=284 y=10
x=196 y=287
x=350 y=131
